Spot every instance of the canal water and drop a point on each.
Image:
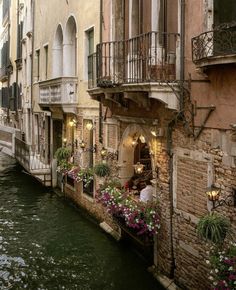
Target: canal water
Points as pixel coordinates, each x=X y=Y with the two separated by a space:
x=46 y=243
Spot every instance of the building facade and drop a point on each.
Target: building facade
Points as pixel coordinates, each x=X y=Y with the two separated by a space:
x=152 y=82
x=166 y=82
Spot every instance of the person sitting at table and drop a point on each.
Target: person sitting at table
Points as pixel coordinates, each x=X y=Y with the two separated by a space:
x=132 y=183
x=146 y=194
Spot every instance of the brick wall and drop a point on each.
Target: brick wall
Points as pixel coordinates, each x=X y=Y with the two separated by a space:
x=199 y=164
x=89 y=204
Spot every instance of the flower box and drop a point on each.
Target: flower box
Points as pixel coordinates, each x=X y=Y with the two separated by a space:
x=144 y=240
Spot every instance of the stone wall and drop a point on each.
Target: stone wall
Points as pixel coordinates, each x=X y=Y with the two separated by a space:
x=88 y=203
x=197 y=165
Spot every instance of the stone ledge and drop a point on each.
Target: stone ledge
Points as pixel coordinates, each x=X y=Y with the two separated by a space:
x=163 y=280
x=108 y=229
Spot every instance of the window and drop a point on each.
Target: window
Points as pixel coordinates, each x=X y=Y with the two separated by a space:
x=37 y=64
x=224 y=12
x=137 y=17
x=46 y=60
x=29 y=69
x=26 y=71
x=19 y=38
x=220 y=12
x=89 y=53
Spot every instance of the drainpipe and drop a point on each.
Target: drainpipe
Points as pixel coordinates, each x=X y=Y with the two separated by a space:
x=32 y=66
x=171 y=128
x=8 y=63
x=182 y=53
x=170 y=153
x=100 y=104
x=17 y=71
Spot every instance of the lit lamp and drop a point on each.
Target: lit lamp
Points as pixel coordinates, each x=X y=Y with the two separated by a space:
x=82 y=145
x=138 y=168
x=213 y=193
x=89 y=126
x=72 y=124
x=103 y=152
x=153 y=132
x=64 y=141
x=134 y=141
x=142 y=139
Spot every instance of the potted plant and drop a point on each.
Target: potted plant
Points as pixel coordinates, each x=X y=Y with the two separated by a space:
x=140 y=220
x=85 y=175
x=62 y=155
x=102 y=169
x=213 y=227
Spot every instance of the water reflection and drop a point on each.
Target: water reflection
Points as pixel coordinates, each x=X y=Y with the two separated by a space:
x=45 y=243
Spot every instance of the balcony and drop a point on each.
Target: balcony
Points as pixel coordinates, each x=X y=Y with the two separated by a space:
x=59 y=92
x=214 y=47
x=3 y=74
x=149 y=57
x=5 y=11
x=146 y=63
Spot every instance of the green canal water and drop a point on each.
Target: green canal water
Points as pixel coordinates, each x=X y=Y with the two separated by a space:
x=46 y=243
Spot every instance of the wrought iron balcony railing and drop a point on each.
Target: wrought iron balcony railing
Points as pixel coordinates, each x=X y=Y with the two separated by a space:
x=213 y=43
x=58 y=91
x=149 y=57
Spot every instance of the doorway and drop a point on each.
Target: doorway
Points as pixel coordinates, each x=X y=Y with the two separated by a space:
x=57 y=134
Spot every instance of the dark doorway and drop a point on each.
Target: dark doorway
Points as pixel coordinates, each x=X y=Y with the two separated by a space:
x=57 y=134
x=142 y=155
x=48 y=138
x=224 y=11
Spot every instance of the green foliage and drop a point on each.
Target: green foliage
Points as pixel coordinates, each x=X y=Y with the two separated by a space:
x=102 y=169
x=213 y=227
x=62 y=154
x=223 y=264
x=65 y=165
x=113 y=183
x=85 y=175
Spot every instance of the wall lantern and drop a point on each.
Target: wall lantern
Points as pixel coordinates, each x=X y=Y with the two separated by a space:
x=157 y=132
x=103 y=152
x=72 y=123
x=134 y=140
x=89 y=126
x=138 y=168
x=142 y=139
x=64 y=141
x=92 y=149
x=213 y=194
x=82 y=145
x=154 y=132
x=134 y=143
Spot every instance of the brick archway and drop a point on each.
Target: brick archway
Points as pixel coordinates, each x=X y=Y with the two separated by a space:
x=126 y=150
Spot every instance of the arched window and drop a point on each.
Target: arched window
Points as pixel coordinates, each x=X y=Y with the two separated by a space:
x=57 y=54
x=69 y=48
